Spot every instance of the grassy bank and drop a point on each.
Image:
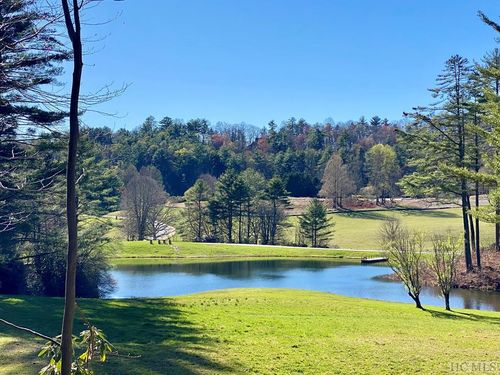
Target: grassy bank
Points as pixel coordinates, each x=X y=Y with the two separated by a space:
x=262 y=331
x=137 y=251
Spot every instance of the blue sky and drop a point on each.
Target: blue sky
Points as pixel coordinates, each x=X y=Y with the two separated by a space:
x=258 y=60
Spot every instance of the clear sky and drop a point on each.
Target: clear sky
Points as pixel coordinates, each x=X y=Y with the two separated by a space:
x=257 y=60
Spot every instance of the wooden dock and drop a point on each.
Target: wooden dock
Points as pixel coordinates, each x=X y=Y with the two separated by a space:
x=374 y=260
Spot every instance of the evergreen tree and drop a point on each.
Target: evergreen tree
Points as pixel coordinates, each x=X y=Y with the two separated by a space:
x=227 y=203
x=490 y=73
x=315 y=224
x=30 y=60
x=277 y=196
x=256 y=185
x=196 y=220
x=440 y=144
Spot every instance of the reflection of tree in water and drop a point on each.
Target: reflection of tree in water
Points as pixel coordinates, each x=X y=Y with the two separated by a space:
x=471 y=299
x=269 y=269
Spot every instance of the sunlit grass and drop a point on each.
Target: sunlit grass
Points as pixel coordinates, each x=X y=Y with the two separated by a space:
x=263 y=331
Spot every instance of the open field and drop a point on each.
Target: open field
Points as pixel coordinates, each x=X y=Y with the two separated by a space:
x=359 y=230
x=353 y=231
x=262 y=331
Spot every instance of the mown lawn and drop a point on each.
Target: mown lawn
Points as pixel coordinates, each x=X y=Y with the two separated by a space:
x=135 y=251
x=360 y=230
x=262 y=331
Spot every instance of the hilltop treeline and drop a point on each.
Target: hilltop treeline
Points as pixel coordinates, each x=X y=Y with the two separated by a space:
x=295 y=151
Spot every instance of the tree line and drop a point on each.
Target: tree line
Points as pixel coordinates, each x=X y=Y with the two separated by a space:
x=238 y=207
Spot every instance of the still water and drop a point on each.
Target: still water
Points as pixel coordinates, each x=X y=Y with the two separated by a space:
x=347 y=279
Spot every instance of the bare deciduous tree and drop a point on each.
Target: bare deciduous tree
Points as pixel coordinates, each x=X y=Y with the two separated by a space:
x=337 y=181
x=404 y=250
x=73 y=27
x=446 y=249
x=160 y=218
x=140 y=197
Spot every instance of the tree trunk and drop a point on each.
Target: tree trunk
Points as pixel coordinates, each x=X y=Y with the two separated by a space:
x=71 y=196
x=468 y=257
x=497 y=232
x=200 y=223
x=476 y=194
x=497 y=209
x=472 y=230
x=474 y=234
x=447 y=301
x=273 y=223
x=416 y=298
x=230 y=227
x=248 y=221
x=478 y=245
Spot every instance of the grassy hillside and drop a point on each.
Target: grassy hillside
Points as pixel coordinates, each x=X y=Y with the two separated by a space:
x=262 y=331
x=359 y=230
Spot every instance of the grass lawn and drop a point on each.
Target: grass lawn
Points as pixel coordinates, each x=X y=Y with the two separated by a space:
x=353 y=230
x=359 y=230
x=262 y=331
x=131 y=251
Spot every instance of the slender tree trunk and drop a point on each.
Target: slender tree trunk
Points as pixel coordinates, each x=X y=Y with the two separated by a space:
x=240 y=219
x=230 y=226
x=476 y=194
x=471 y=229
x=71 y=196
x=475 y=234
x=497 y=231
x=447 y=301
x=497 y=209
x=273 y=223
x=468 y=257
x=200 y=223
x=248 y=221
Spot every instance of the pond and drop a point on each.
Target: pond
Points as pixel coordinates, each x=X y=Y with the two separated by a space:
x=348 y=279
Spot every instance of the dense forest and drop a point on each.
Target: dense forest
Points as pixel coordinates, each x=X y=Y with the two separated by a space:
x=295 y=151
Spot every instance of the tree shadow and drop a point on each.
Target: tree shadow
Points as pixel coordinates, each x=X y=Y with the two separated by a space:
x=433 y=213
x=157 y=330
x=370 y=215
x=459 y=315
x=14 y=354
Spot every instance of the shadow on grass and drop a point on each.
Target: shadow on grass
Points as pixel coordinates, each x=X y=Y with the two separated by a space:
x=155 y=329
x=458 y=315
x=14 y=354
x=435 y=213
x=388 y=214
x=369 y=215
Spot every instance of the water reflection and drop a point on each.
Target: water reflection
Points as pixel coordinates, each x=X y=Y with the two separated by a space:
x=350 y=279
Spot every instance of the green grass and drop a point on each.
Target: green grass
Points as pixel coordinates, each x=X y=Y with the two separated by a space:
x=132 y=251
x=261 y=331
x=359 y=230
x=353 y=231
